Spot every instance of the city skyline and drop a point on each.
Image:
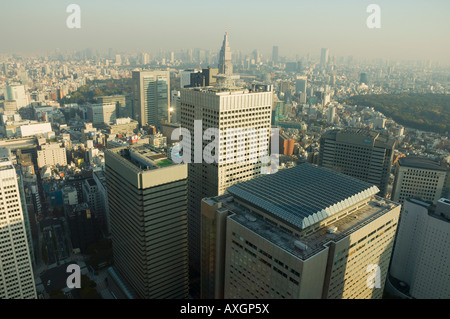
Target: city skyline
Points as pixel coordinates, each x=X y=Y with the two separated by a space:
x=409 y=30
x=143 y=157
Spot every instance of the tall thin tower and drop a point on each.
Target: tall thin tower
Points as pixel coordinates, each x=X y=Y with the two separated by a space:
x=225 y=65
x=222 y=107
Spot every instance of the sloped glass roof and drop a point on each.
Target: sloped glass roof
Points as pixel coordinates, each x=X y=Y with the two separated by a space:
x=303 y=195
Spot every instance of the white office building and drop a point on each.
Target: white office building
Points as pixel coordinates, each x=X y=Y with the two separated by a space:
x=17 y=93
x=16 y=271
x=420 y=265
x=51 y=154
x=303 y=233
x=419 y=178
x=102 y=113
x=223 y=107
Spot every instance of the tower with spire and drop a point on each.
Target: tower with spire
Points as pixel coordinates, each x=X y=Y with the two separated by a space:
x=225 y=78
x=225 y=65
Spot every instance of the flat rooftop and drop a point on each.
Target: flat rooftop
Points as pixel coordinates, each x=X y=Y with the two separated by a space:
x=144 y=157
x=303 y=195
x=316 y=241
x=423 y=163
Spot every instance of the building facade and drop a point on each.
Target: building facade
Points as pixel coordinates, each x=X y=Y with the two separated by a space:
x=305 y=232
x=223 y=109
x=420 y=265
x=16 y=271
x=151 y=97
x=51 y=154
x=147 y=199
x=419 y=178
x=363 y=154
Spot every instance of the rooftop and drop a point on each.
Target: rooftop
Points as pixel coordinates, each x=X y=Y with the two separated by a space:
x=424 y=163
x=303 y=195
x=144 y=157
x=316 y=241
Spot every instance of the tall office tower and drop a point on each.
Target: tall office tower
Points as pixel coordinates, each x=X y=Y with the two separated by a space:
x=151 y=97
x=304 y=232
x=300 y=87
x=275 y=54
x=16 y=270
x=222 y=109
x=185 y=77
x=324 y=57
x=118 y=59
x=16 y=93
x=147 y=198
x=420 y=264
x=331 y=114
x=363 y=154
x=225 y=65
x=123 y=107
x=99 y=114
x=301 y=84
x=419 y=178
x=363 y=78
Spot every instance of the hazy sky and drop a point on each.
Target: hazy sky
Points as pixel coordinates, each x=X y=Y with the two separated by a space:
x=411 y=29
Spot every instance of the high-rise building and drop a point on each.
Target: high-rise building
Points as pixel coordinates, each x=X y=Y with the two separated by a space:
x=301 y=84
x=204 y=78
x=324 y=57
x=123 y=107
x=331 y=114
x=363 y=78
x=275 y=54
x=151 y=97
x=304 y=232
x=16 y=270
x=147 y=199
x=222 y=109
x=364 y=154
x=225 y=65
x=420 y=264
x=185 y=77
x=419 y=178
x=17 y=93
x=101 y=113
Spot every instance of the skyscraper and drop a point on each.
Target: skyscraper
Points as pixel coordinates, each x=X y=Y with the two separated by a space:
x=331 y=114
x=147 y=198
x=16 y=271
x=151 y=97
x=363 y=78
x=360 y=153
x=275 y=54
x=419 y=178
x=304 y=232
x=225 y=65
x=223 y=107
x=324 y=56
x=420 y=265
x=300 y=84
x=16 y=93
